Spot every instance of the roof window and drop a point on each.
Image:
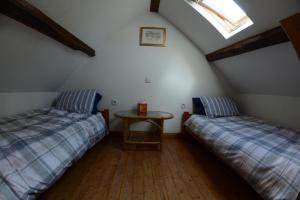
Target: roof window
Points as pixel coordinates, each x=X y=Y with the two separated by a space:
x=225 y=15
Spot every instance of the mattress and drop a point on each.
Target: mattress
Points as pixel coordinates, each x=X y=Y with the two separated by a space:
x=38 y=146
x=266 y=156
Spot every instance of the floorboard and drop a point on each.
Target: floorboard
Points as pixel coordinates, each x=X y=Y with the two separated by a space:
x=182 y=171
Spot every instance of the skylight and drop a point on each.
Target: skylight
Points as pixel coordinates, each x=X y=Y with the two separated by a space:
x=225 y=15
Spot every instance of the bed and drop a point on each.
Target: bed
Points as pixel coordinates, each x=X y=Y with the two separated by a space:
x=37 y=147
x=266 y=156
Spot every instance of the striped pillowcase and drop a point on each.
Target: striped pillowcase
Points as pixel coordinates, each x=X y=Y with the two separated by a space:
x=219 y=107
x=78 y=101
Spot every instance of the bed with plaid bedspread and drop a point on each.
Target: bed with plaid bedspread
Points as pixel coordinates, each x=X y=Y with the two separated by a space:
x=266 y=156
x=38 y=146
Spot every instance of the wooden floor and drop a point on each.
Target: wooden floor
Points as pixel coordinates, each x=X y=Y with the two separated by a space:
x=183 y=170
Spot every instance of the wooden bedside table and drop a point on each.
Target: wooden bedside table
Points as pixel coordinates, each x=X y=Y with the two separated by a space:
x=155 y=118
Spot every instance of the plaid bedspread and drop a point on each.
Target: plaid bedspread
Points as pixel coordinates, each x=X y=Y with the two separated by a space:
x=266 y=156
x=37 y=147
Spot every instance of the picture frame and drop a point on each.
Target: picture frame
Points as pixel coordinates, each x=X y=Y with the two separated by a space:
x=153 y=36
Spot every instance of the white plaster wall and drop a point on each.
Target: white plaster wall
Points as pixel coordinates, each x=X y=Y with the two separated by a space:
x=178 y=71
x=14 y=103
x=268 y=71
x=31 y=61
x=206 y=36
x=281 y=110
x=273 y=70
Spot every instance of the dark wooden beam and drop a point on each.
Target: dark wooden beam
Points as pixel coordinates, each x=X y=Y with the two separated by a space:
x=291 y=25
x=154 y=6
x=25 y=13
x=265 y=39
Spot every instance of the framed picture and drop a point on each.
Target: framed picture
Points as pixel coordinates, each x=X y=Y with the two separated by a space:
x=153 y=36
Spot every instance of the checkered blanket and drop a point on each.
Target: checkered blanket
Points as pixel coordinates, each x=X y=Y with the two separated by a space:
x=266 y=156
x=38 y=146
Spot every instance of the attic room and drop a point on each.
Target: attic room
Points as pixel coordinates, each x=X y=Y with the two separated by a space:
x=150 y=99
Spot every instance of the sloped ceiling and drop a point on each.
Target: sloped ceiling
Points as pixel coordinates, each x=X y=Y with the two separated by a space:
x=30 y=61
x=273 y=70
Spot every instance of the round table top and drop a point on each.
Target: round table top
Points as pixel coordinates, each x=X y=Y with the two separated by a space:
x=132 y=114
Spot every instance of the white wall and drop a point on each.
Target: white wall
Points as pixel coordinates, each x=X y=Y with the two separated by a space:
x=277 y=109
x=14 y=103
x=206 y=36
x=178 y=71
x=31 y=61
x=273 y=70
x=268 y=71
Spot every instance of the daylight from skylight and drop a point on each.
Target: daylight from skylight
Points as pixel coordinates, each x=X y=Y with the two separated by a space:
x=225 y=15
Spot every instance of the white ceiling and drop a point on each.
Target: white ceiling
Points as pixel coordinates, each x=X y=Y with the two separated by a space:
x=30 y=61
x=273 y=70
x=265 y=14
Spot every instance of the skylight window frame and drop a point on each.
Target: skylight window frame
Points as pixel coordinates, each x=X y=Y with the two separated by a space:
x=212 y=16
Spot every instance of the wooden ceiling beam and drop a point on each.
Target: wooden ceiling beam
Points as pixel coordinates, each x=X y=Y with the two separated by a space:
x=27 y=14
x=291 y=25
x=271 y=37
x=154 y=5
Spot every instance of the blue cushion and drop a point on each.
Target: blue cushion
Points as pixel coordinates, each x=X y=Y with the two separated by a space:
x=79 y=101
x=219 y=106
x=98 y=97
x=198 y=107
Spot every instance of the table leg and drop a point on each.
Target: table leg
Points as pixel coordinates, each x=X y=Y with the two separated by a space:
x=161 y=131
x=125 y=132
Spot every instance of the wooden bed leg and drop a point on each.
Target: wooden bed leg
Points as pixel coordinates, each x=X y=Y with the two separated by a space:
x=105 y=114
x=185 y=116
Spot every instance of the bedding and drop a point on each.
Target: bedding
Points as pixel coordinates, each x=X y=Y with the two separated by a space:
x=38 y=146
x=78 y=101
x=219 y=106
x=198 y=107
x=6 y=192
x=97 y=99
x=266 y=156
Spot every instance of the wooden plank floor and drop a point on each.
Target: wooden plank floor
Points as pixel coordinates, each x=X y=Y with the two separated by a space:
x=182 y=171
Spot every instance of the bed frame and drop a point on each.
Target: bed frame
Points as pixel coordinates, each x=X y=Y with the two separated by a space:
x=186 y=130
x=105 y=114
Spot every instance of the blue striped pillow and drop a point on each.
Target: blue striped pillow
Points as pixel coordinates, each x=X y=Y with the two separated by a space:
x=78 y=101
x=219 y=106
